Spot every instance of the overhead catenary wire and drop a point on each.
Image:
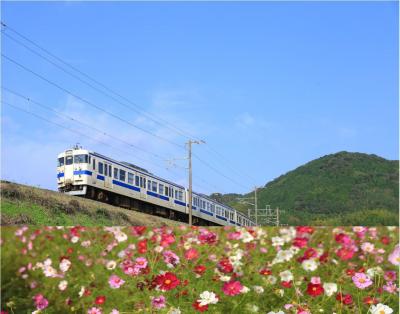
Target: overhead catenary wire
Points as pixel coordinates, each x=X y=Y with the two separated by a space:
x=141 y=110
x=89 y=102
x=79 y=133
x=167 y=124
x=80 y=122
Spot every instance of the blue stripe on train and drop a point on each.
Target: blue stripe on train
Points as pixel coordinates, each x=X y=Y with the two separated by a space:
x=220 y=217
x=100 y=177
x=206 y=212
x=124 y=185
x=179 y=203
x=60 y=175
x=78 y=172
x=165 y=198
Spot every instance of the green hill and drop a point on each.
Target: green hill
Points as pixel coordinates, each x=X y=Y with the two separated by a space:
x=339 y=189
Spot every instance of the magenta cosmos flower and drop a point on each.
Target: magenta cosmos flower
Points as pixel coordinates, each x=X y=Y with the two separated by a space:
x=158 y=302
x=232 y=288
x=361 y=280
x=115 y=282
x=40 y=302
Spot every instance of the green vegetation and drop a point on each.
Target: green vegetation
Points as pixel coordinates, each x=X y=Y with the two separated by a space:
x=339 y=189
x=33 y=206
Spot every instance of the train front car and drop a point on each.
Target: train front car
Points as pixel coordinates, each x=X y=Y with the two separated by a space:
x=73 y=171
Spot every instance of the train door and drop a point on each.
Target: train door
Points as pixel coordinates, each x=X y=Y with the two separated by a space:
x=107 y=176
x=69 y=167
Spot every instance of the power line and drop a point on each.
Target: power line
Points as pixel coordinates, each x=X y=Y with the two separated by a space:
x=80 y=133
x=141 y=112
x=166 y=123
x=82 y=123
x=141 y=109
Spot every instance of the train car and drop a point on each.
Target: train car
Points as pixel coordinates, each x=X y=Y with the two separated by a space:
x=88 y=174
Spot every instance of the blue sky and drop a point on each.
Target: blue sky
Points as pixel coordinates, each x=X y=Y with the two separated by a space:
x=267 y=85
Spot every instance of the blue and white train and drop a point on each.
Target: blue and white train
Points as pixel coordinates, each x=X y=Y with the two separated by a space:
x=85 y=173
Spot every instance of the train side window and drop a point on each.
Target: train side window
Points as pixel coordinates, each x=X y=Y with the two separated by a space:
x=94 y=164
x=105 y=170
x=180 y=195
x=143 y=184
x=116 y=173
x=172 y=193
x=68 y=160
x=89 y=159
x=154 y=186
x=161 y=189
x=100 y=167
x=149 y=185
x=122 y=175
x=130 y=178
x=137 y=180
x=166 y=190
x=61 y=161
x=109 y=171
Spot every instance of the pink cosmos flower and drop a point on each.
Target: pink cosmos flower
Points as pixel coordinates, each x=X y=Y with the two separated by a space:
x=141 y=262
x=316 y=280
x=394 y=257
x=170 y=258
x=191 y=254
x=40 y=302
x=361 y=280
x=158 y=302
x=115 y=282
x=390 y=287
x=94 y=310
x=232 y=288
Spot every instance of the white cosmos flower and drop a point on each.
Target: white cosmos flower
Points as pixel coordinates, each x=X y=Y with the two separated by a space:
x=245 y=289
x=258 y=289
x=380 y=309
x=65 y=265
x=111 y=265
x=82 y=291
x=74 y=239
x=286 y=275
x=329 y=288
x=120 y=236
x=374 y=271
x=271 y=279
x=207 y=297
x=277 y=241
x=63 y=285
x=309 y=265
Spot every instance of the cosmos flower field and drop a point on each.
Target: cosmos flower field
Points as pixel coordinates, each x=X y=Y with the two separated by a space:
x=190 y=270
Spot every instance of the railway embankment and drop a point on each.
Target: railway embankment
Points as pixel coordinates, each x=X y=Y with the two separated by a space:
x=28 y=205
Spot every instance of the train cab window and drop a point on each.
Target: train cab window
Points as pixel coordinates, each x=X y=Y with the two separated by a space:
x=154 y=186
x=161 y=189
x=116 y=173
x=109 y=171
x=122 y=175
x=61 y=161
x=94 y=164
x=105 y=169
x=81 y=159
x=100 y=167
x=68 y=160
x=130 y=178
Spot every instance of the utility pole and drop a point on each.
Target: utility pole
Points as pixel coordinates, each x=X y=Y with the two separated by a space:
x=189 y=144
x=255 y=204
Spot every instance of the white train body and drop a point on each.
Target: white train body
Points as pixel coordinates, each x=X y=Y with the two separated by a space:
x=86 y=173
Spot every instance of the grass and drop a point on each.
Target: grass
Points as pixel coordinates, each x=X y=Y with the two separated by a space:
x=21 y=204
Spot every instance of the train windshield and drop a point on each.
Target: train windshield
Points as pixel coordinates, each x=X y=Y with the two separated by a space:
x=81 y=159
x=61 y=161
x=68 y=160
